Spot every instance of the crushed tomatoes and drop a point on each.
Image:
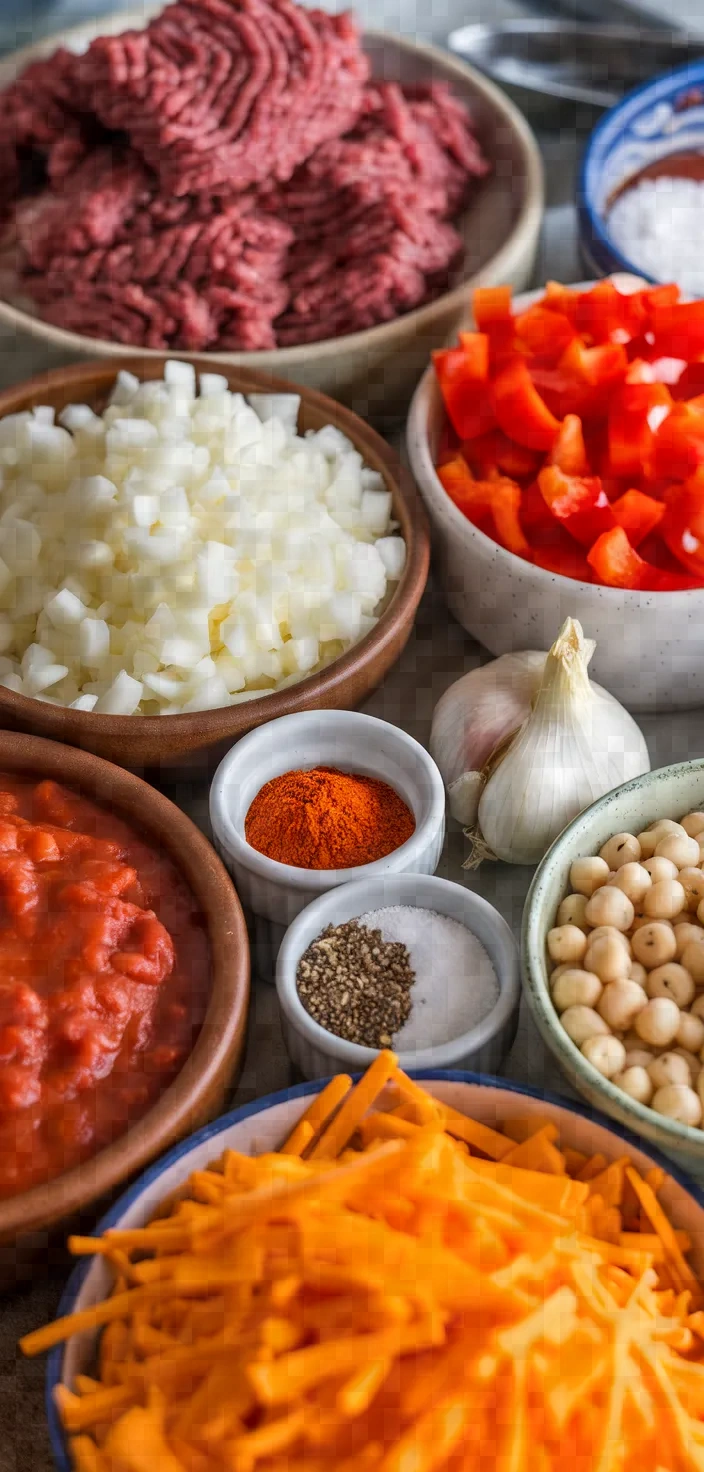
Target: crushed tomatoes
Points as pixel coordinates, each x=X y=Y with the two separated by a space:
x=104 y=969
x=575 y=432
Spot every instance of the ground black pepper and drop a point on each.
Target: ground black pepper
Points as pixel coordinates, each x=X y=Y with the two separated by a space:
x=356 y=985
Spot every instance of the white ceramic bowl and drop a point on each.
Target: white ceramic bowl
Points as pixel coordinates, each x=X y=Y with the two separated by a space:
x=265 y=1124
x=318 y=1053
x=275 y=893
x=373 y=371
x=668 y=793
x=649 y=646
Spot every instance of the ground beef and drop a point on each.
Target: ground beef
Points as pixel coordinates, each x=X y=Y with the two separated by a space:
x=228 y=179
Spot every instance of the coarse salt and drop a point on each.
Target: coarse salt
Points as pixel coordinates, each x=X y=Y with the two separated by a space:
x=659 y=226
x=456 y=985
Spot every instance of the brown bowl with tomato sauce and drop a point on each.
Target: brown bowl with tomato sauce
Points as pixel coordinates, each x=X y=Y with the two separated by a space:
x=124 y=983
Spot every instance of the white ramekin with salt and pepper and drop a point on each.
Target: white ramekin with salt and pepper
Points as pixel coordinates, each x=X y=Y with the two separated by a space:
x=417 y=940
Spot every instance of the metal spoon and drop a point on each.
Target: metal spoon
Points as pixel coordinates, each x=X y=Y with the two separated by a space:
x=593 y=64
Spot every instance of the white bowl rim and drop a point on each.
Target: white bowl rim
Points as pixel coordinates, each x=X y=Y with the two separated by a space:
x=273 y=359
x=283 y=1096
x=357 y=1056
x=537 y=991
x=290 y=875
x=426 y=476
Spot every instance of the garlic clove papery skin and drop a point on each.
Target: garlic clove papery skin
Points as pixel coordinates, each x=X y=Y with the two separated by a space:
x=577 y=743
x=475 y=717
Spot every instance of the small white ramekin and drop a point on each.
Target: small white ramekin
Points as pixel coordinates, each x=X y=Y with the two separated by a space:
x=317 y=1053
x=275 y=893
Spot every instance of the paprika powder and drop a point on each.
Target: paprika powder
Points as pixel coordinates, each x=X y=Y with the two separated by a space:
x=327 y=819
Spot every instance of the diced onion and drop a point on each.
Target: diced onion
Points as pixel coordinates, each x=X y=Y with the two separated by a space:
x=184 y=550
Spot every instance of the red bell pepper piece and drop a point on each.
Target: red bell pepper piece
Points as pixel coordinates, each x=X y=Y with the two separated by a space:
x=559 y=298
x=506 y=504
x=678 y=330
x=537 y=519
x=569 y=452
x=595 y=366
x=635 y=413
x=618 y=565
x=678 y=443
x=638 y=514
x=690 y=383
x=466 y=400
x=660 y=296
x=494 y=454
x=579 y=503
x=491 y=305
x=492 y=311
x=558 y=553
x=615 y=561
x=543 y=333
x=682 y=526
x=519 y=409
x=606 y=315
x=469 y=495
x=475 y=346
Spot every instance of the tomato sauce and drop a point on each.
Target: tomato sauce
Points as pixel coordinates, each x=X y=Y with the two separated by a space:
x=104 y=978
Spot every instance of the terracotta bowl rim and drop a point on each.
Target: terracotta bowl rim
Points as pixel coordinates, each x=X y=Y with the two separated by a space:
x=524 y=227
x=168 y=1118
x=221 y=724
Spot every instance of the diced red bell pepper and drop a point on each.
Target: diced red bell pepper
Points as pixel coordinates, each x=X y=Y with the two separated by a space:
x=690 y=383
x=569 y=452
x=606 y=315
x=559 y=298
x=537 y=519
x=640 y=371
x=635 y=413
x=615 y=561
x=475 y=346
x=543 y=333
x=660 y=296
x=492 y=311
x=595 y=366
x=579 y=503
x=469 y=495
x=495 y=454
x=682 y=526
x=558 y=553
x=519 y=409
x=618 y=565
x=638 y=514
x=506 y=505
x=448 y=443
x=678 y=330
x=491 y=305
x=466 y=399
x=678 y=443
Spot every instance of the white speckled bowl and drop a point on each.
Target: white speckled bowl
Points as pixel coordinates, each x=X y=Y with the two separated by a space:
x=317 y=1052
x=649 y=646
x=265 y=1124
x=668 y=793
x=275 y=893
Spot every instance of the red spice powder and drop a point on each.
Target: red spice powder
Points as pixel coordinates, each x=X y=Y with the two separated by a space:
x=327 y=819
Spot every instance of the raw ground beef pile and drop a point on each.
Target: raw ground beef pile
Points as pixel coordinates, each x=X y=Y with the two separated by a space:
x=230 y=178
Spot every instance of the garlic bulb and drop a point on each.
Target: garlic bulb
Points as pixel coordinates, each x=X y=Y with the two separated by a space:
x=559 y=742
x=474 y=717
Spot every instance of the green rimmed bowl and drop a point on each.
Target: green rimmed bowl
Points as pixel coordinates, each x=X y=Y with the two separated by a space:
x=668 y=793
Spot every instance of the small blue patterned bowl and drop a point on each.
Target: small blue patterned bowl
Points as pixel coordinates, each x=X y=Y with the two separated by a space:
x=664 y=116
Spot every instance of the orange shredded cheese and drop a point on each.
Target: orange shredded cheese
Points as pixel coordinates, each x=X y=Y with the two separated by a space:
x=396 y=1290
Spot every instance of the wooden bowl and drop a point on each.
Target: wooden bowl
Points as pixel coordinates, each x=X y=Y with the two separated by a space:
x=199 y=1091
x=151 y=741
x=374 y=371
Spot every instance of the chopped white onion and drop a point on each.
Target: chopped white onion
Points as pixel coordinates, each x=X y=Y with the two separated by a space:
x=183 y=550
